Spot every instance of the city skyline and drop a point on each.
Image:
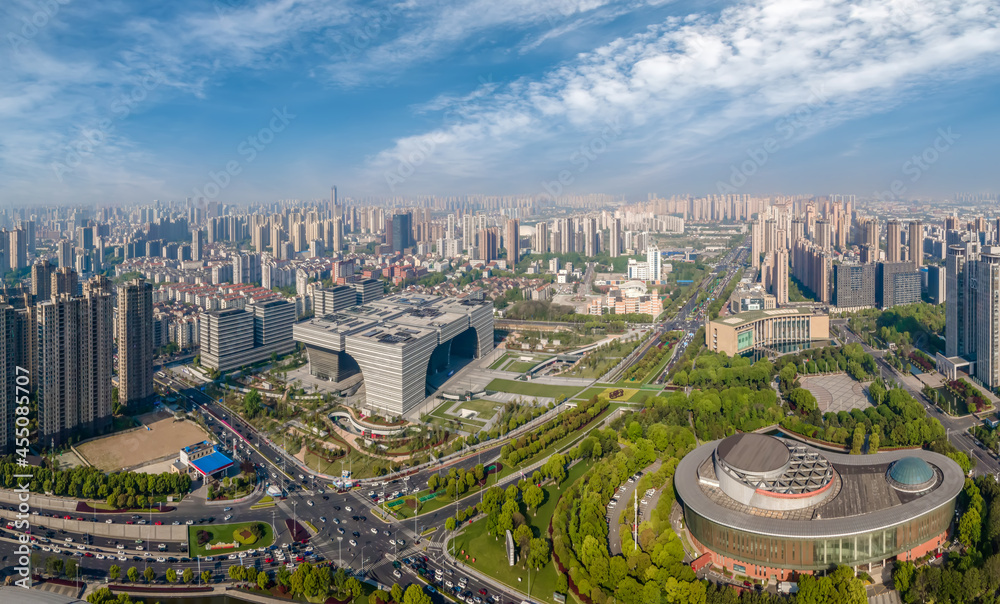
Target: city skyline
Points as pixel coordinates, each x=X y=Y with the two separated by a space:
x=275 y=100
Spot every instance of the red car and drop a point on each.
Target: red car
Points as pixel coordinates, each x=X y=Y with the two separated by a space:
x=67 y=517
x=129 y=522
x=268 y=560
x=482 y=592
x=747 y=584
x=300 y=559
x=88 y=554
x=938 y=555
x=158 y=523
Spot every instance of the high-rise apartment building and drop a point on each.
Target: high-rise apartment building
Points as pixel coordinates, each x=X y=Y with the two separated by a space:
x=41 y=280
x=654 y=263
x=64 y=281
x=775 y=275
x=198 y=241
x=74 y=346
x=541 y=241
x=986 y=327
x=9 y=360
x=66 y=254
x=893 y=244
x=512 y=240
x=957 y=309
x=615 y=237
x=916 y=243
x=134 y=333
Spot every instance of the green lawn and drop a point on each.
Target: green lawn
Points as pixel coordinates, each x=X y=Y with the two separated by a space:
x=486 y=409
x=499 y=362
x=491 y=554
x=440 y=418
x=532 y=388
x=223 y=533
x=520 y=366
x=587 y=394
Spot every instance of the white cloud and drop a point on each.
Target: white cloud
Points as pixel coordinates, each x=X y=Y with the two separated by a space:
x=690 y=82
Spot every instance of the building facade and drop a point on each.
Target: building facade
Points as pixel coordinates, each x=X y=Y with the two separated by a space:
x=778 y=329
x=134 y=333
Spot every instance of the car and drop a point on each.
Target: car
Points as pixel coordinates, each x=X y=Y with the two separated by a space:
x=340 y=530
x=392 y=542
x=241 y=555
x=938 y=555
x=161 y=559
x=482 y=592
x=747 y=584
x=326 y=498
x=396 y=574
x=353 y=543
x=371 y=493
x=356 y=534
x=210 y=559
x=109 y=521
x=643 y=502
x=336 y=520
x=142 y=521
x=385 y=533
x=227 y=509
x=232 y=556
x=310 y=503
x=228 y=516
x=158 y=523
x=449 y=584
x=69 y=540
x=130 y=522
x=349 y=509
x=175 y=522
x=138 y=548
x=374 y=531
x=322 y=518
x=122 y=558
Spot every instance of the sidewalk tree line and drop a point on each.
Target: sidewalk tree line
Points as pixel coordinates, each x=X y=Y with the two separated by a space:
x=92 y=483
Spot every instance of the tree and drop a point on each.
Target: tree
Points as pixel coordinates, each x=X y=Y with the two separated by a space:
x=171 y=575
x=859 y=439
x=353 y=586
x=149 y=574
x=251 y=404
x=53 y=565
x=449 y=523
x=539 y=553
x=70 y=568
x=236 y=572
x=115 y=572
x=397 y=593
x=533 y=497
x=262 y=580
x=187 y=575
x=133 y=574
x=415 y=595
x=969 y=528
x=873 y=442
x=378 y=597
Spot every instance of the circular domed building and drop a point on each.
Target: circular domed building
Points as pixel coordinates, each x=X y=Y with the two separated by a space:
x=769 y=507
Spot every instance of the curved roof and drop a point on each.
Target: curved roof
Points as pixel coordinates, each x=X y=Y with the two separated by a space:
x=690 y=493
x=911 y=471
x=754 y=453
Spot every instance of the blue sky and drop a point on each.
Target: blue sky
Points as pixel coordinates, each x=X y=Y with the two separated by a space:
x=122 y=102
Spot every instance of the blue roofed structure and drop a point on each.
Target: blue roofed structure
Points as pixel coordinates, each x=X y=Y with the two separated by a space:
x=211 y=464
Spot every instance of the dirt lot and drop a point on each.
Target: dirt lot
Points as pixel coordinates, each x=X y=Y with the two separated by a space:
x=165 y=437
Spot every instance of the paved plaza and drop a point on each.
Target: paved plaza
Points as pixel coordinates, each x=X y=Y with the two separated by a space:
x=835 y=393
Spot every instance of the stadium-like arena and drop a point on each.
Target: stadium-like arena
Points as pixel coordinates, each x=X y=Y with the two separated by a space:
x=769 y=507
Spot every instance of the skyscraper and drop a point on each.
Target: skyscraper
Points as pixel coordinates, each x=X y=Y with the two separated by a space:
x=986 y=326
x=74 y=344
x=893 y=245
x=198 y=243
x=512 y=240
x=956 y=309
x=66 y=253
x=400 y=232
x=654 y=263
x=615 y=237
x=134 y=332
x=917 y=243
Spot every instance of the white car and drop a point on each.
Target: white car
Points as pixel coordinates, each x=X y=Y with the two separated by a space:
x=392 y=542
x=242 y=555
x=374 y=531
x=349 y=509
x=232 y=556
x=228 y=517
x=189 y=522
x=175 y=522
x=396 y=574
x=353 y=543
x=99 y=556
x=122 y=558
x=161 y=559
x=109 y=521
x=121 y=546
x=643 y=502
x=310 y=503
x=69 y=540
